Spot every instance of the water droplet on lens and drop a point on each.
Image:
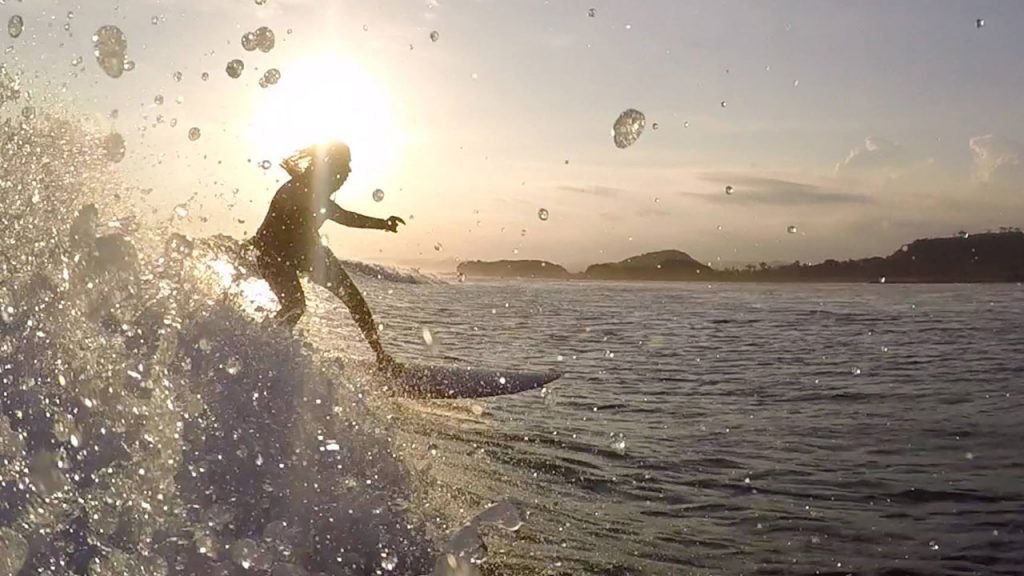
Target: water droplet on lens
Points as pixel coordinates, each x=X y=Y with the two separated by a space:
x=111 y=47
x=434 y=36
x=261 y=2
x=15 y=25
x=438 y=247
x=979 y=23
x=855 y=371
x=249 y=41
x=654 y=126
x=266 y=164
x=264 y=39
x=378 y=195
x=428 y=338
x=686 y=124
x=205 y=76
x=791 y=229
x=628 y=127
x=270 y=77
x=176 y=76
x=181 y=211
x=194 y=133
x=158 y=99
x=543 y=214
x=592 y=12
x=729 y=189
x=235 y=68
x=724 y=104
x=114 y=147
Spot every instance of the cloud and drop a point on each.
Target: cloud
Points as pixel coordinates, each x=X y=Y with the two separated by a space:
x=878 y=157
x=774 y=192
x=600 y=191
x=997 y=160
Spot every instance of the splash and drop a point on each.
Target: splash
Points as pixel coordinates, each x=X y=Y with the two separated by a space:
x=148 y=424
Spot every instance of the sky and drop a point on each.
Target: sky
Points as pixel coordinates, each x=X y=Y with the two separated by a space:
x=863 y=125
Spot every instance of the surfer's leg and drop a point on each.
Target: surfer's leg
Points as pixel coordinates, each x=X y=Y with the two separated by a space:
x=328 y=272
x=284 y=282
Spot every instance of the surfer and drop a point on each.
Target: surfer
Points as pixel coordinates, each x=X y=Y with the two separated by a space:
x=288 y=240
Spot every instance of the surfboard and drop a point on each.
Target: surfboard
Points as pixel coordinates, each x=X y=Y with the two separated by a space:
x=435 y=381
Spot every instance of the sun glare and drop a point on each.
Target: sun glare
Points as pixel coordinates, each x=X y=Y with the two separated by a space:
x=327 y=97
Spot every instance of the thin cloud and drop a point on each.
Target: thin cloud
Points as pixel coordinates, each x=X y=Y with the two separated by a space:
x=997 y=160
x=762 y=191
x=599 y=191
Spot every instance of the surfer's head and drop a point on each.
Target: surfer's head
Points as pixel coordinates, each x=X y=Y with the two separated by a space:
x=328 y=163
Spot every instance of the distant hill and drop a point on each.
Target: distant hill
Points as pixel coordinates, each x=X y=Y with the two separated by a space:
x=513 y=269
x=988 y=257
x=661 y=265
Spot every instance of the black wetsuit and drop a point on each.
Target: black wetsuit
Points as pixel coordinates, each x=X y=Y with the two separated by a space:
x=288 y=242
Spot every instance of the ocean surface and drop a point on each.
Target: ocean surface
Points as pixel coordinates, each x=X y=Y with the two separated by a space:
x=723 y=428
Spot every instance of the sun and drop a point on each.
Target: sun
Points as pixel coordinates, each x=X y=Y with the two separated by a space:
x=327 y=97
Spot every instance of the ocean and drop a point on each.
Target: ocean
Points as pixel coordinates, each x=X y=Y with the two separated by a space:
x=732 y=429
x=151 y=424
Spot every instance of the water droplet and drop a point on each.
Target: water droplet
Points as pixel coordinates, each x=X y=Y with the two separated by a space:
x=438 y=247
x=477 y=410
x=979 y=23
x=791 y=229
x=434 y=36
x=114 y=147
x=181 y=211
x=266 y=164
x=270 y=77
x=232 y=366
x=388 y=560
x=855 y=371
x=264 y=39
x=76 y=61
x=176 y=76
x=174 y=122
x=235 y=68
x=796 y=83
x=729 y=189
x=158 y=99
x=15 y=25
x=618 y=445
x=205 y=76
x=261 y=2
x=724 y=104
x=592 y=12
x=654 y=126
x=378 y=195
x=628 y=127
x=111 y=47
x=969 y=455
x=963 y=234
x=366 y=28
x=249 y=41
x=194 y=133
x=154 y=20
x=543 y=214
x=933 y=545
x=686 y=124
x=428 y=338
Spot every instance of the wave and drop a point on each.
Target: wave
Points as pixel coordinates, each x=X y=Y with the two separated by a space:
x=150 y=425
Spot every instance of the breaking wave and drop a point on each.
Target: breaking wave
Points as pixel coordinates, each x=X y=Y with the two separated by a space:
x=150 y=425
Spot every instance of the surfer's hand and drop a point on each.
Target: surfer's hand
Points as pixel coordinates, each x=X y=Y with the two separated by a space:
x=391 y=224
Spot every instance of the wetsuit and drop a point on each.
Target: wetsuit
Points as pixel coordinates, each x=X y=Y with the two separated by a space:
x=288 y=242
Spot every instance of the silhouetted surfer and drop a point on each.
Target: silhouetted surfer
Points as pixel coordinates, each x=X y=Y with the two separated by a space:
x=288 y=240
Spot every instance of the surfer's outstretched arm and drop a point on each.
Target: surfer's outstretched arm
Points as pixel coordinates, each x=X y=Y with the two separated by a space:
x=346 y=218
x=329 y=273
